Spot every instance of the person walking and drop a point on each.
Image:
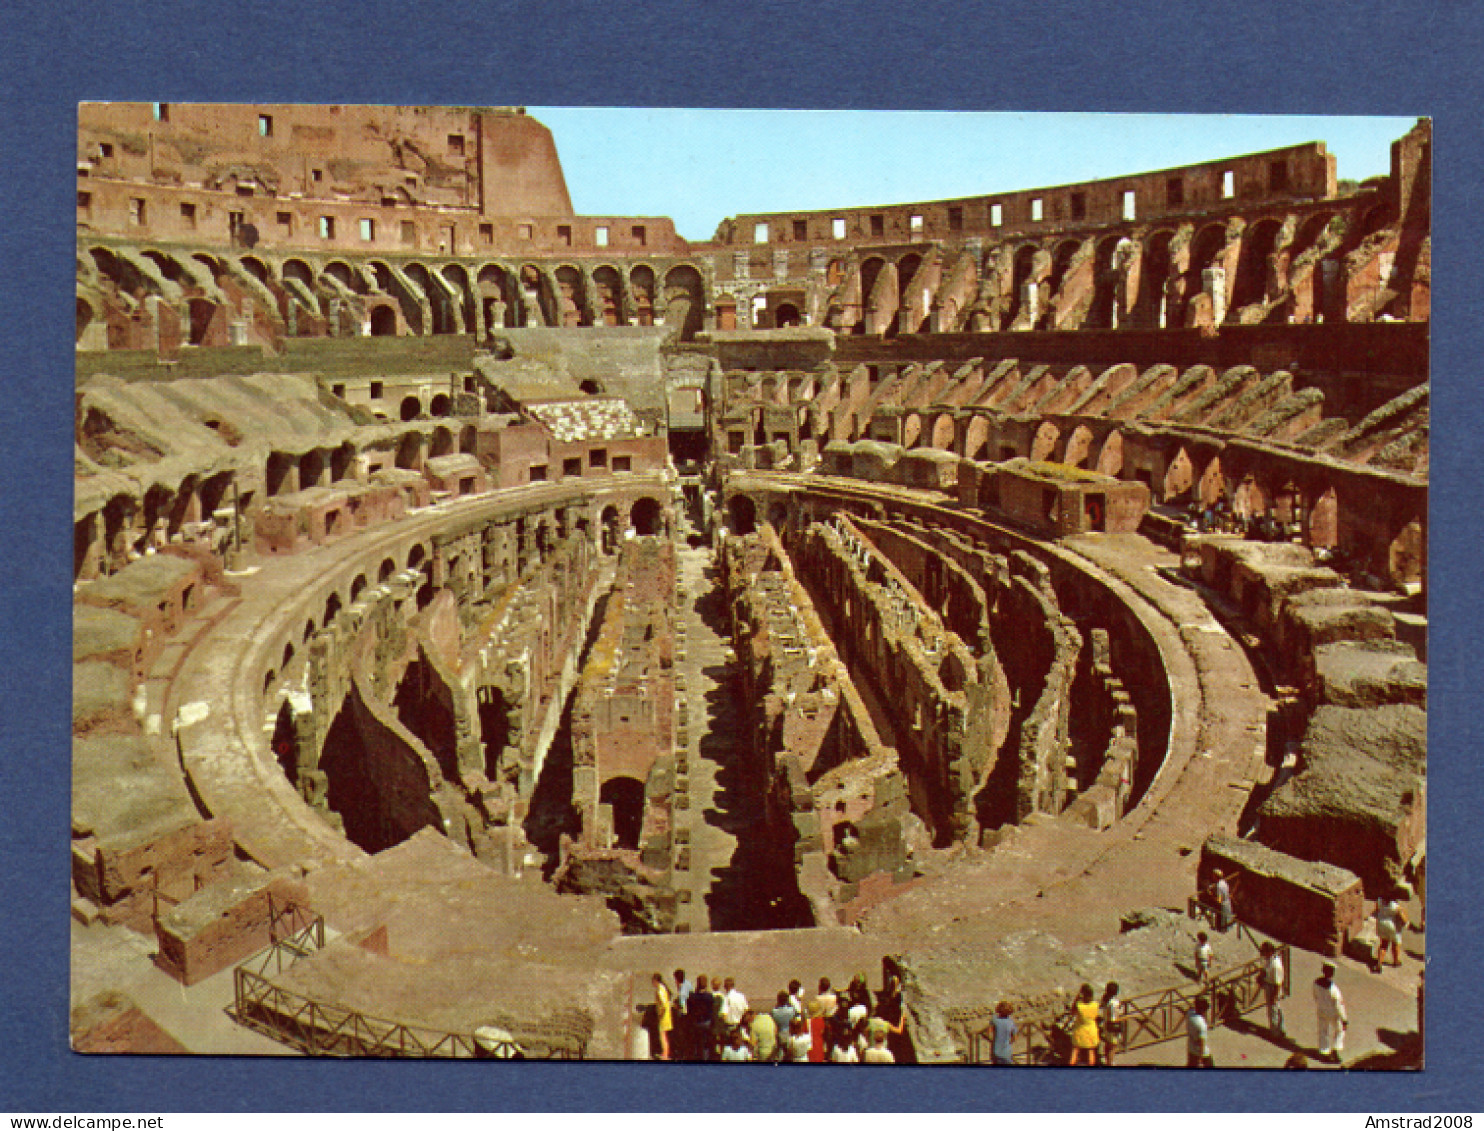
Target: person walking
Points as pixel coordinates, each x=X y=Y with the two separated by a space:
x=1390 y=919
x=1085 y=1039
x=1205 y=957
x=1005 y=1031
x=1110 y=1021
x=1329 y=1006
x=1226 y=914
x=1198 y=1035
x=1271 y=979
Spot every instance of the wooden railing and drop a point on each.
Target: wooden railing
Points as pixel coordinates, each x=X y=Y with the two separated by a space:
x=317 y=1028
x=1148 y=1019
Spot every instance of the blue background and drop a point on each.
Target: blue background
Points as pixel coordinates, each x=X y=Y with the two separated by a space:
x=1323 y=58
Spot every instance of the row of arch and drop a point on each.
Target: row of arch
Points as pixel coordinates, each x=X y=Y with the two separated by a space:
x=413 y=296
x=881 y=282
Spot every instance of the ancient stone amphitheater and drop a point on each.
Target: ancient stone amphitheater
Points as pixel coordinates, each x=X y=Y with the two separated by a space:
x=479 y=607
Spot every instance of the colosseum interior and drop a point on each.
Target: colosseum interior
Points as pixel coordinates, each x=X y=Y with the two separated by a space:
x=480 y=606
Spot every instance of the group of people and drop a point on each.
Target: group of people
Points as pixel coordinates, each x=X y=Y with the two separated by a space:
x=712 y=1020
x=1219 y=517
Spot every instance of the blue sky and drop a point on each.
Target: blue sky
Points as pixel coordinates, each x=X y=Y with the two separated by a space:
x=700 y=166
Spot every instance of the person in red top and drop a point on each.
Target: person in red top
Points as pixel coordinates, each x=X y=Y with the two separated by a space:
x=816 y=1033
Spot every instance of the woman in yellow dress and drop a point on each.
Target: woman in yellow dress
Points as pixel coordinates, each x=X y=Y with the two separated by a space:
x=1085 y=1039
x=663 y=1022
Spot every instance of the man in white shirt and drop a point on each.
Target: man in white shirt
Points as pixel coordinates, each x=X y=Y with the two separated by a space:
x=733 y=1003
x=1272 y=987
x=1197 y=1034
x=1329 y=1005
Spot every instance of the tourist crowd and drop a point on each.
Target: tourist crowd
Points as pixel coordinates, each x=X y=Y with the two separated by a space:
x=712 y=1020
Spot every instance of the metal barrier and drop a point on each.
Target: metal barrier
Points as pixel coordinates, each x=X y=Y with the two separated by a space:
x=1148 y=1019
x=318 y=1028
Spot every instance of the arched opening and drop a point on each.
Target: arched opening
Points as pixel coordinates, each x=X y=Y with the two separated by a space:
x=1020 y=275
x=357 y=587
x=440 y=406
x=1104 y=285
x=1406 y=555
x=468 y=440
x=1258 y=242
x=383 y=321
x=872 y=317
x=440 y=306
x=1079 y=445
x=641 y=285
x=786 y=314
x=911 y=430
x=625 y=797
x=412 y=408
x=410 y=451
x=201 y=312
x=647 y=517
x=571 y=297
x=343 y=274
x=496 y=297
x=1110 y=459
x=275 y=475
x=380 y=790
x=442 y=442
x=461 y=301
x=332 y=609
x=1324 y=521
x=385 y=570
x=944 y=432
x=298 y=270
x=311 y=469
x=342 y=462
x=1179 y=475
x=685 y=301
x=416 y=555
x=286 y=744
x=778 y=515
x=608 y=295
x=1061 y=264
x=1154 y=273
x=902 y=321
x=743 y=515
x=1043 y=444
x=976 y=439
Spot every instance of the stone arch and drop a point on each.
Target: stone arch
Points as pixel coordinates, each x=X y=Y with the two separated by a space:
x=1110 y=456
x=1100 y=313
x=297 y=270
x=412 y=407
x=1044 y=443
x=462 y=300
x=200 y=313
x=1179 y=476
x=641 y=286
x=385 y=570
x=1078 y=447
x=786 y=314
x=1212 y=485
x=945 y=432
x=608 y=524
x=384 y=320
x=333 y=605
x=416 y=556
x=496 y=297
x=742 y=513
x=469 y=440
x=871 y=269
x=442 y=444
x=976 y=438
x=1259 y=241
x=608 y=295
x=342 y=462
x=1406 y=554
x=647 y=516
x=1322 y=523
x=441 y=405
x=275 y=473
x=1154 y=273
x=1023 y=265
x=685 y=300
x=911 y=430
x=571 y=297
x=357 y=587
